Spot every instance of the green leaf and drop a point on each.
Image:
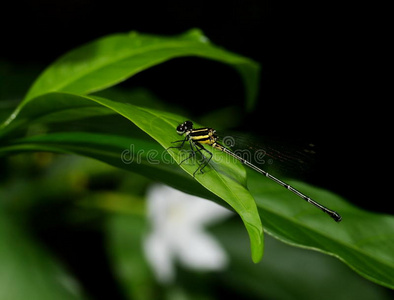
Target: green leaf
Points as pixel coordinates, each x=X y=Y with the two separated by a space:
x=363 y=240
x=225 y=180
x=112 y=59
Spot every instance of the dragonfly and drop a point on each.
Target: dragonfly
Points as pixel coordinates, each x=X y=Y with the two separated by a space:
x=197 y=137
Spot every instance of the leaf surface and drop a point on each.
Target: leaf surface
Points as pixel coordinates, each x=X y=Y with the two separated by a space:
x=112 y=59
x=225 y=180
x=362 y=240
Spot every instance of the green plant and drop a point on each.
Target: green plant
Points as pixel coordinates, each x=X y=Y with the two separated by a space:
x=68 y=91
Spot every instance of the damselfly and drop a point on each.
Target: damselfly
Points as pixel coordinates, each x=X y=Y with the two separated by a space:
x=198 y=137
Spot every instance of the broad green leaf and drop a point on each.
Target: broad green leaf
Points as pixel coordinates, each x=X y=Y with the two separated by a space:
x=112 y=59
x=363 y=240
x=225 y=180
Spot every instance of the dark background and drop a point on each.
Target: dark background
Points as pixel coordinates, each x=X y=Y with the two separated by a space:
x=323 y=70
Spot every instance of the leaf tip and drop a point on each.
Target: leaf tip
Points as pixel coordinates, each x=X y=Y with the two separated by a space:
x=256 y=236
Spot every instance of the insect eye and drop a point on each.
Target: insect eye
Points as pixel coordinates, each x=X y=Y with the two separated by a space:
x=180 y=129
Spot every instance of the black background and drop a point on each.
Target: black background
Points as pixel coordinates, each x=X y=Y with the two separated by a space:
x=324 y=68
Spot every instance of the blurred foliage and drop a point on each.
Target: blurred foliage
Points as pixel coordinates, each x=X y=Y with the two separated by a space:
x=72 y=228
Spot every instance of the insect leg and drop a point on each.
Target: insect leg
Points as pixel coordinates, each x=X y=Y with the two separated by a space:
x=193 y=153
x=201 y=148
x=179 y=146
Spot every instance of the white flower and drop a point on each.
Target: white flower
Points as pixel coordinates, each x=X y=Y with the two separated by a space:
x=178 y=221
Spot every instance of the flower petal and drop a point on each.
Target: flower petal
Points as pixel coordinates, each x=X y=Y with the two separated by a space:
x=202 y=252
x=159 y=255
